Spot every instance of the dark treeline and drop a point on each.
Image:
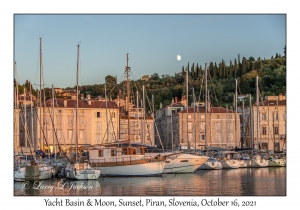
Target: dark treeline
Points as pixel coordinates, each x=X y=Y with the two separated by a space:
x=221 y=82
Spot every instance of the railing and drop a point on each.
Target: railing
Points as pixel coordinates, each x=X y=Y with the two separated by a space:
x=117 y=161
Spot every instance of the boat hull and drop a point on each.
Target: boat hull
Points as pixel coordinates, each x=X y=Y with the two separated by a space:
x=276 y=163
x=230 y=164
x=45 y=172
x=83 y=174
x=211 y=165
x=144 y=169
x=184 y=163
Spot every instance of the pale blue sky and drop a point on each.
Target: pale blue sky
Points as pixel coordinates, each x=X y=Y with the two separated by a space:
x=152 y=41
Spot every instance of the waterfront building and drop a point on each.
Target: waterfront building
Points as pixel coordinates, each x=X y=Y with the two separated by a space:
x=185 y=128
x=268 y=130
x=99 y=121
x=141 y=124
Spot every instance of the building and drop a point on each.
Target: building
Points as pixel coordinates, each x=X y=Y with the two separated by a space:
x=99 y=121
x=266 y=129
x=187 y=127
x=141 y=124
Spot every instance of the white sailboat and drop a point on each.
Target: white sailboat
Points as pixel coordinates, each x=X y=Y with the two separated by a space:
x=30 y=170
x=77 y=170
x=179 y=162
x=212 y=163
x=119 y=159
x=228 y=160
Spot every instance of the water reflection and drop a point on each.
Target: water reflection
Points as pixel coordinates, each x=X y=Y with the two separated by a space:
x=231 y=182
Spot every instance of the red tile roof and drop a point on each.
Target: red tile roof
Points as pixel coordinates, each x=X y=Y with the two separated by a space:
x=59 y=102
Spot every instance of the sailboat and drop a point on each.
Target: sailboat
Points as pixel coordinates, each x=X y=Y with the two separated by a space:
x=122 y=158
x=31 y=170
x=179 y=162
x=212 y=163
x=78 y=170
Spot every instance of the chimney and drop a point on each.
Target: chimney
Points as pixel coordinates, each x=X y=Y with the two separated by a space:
x=88 y=96
x=65 y=101
x=176 y=99
x=280 y=96
x=81 y=96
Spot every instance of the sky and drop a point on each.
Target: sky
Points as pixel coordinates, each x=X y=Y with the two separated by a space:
x=152 y=41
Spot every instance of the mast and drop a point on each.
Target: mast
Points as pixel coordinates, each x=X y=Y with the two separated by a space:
x=77 y=73
x=128 y=96
x=205 y=105
x=251 y=123
x=41 y=142
x=172 y=125
x=278 y=123
x=268 y=125
x=144 y=115
x=194 y=130
x=257 y=109
x=54 y=147
x=235 y=116
x=107 y=122
x=187 y=108
x=31 y=118
x=243 y=124
x=25 y=124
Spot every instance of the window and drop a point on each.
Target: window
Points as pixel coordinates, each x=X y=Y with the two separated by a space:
x=217 y=116
x=59 y=134
x=203 y=137
x=276 y=130
x=264 y=130
x=230 y=137
x=138 y=151
x=70 y=134
x=148 y=137
x=189 y=125
x=136 y=138
x=98 y=128
x=113 y=152
x=148 y=126
x=59 y=111
x=217 y=137
x=137 y=125
x=264 y=117
x=217 y=126
x=112 y=114
x=98 y=115
x=81 y=120
x=276 y=116
x=70 y=120
x=81 y=134
x=58 y=120
x=230 y=116
x=100 y=153
x=202 y=126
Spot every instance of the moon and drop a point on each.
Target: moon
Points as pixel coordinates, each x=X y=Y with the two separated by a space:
x=178 y=57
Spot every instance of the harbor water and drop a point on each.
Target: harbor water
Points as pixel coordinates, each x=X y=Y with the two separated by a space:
x=269 y=181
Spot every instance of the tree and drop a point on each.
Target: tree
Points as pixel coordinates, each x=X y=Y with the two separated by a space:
x=110 y=80
x=155 y=76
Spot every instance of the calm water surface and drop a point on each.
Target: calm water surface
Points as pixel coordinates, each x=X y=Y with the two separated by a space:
x=231 y=182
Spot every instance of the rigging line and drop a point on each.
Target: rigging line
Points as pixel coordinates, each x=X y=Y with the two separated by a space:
x=27 y=134
x=60 y=122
